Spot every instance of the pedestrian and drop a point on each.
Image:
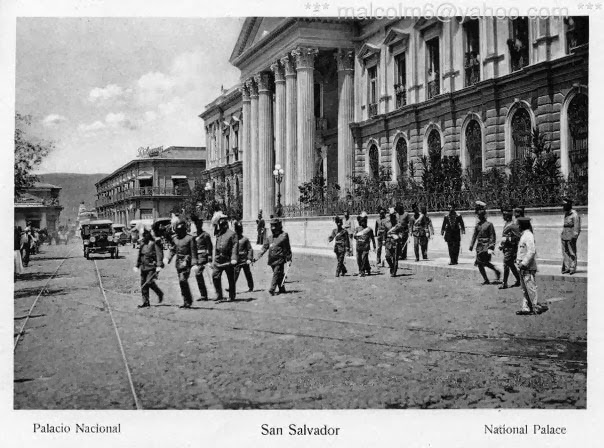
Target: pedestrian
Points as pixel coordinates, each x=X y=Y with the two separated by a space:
x=279 y=253
x=341 y=245
x=509 y=246
x=393 y=237
x=215 y=218
x=203 y=242
x=452 y=229
x=350 y=227
x=422 y=231
x=406 y=229
x=17 y=253
x=527 y=265
x=225 y=258
x=24 y=246
x=246 y=257
x=380 y=232
x=365 y=238
x=260 y=228
x=183 y=247
x=484 y=238
x=149 y=263
x=571 y=228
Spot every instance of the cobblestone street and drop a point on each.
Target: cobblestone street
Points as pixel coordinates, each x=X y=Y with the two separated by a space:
x=424 y=339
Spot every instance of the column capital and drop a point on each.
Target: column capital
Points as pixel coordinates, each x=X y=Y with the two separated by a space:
x=278 y=71
x=345 y=60
x=263 y=81
x=305 y=57
x=289 y=65
x=245 y=92
x=252 y=87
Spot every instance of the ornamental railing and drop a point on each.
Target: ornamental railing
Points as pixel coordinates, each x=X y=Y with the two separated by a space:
x=400 y=93
x=472 y=69
x=536 y=195
x=373 y=110
x=433 y=88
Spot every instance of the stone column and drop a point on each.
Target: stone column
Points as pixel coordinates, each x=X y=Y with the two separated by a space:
x=254 y=197
x=266 y=158
x=345 y=60
x=290 y=178
x=244 y=148
x=279 y=74
x=305 y=61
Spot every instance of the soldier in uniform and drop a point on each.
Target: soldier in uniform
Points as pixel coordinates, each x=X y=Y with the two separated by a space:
x=403 y=220
x=185 y=250
x=203 y=242
x=279 y=252
x=452 y=229
x=260 y=227
x=571 y=228
x=393 y=237
x=422 y=230
x=349 y=226
x=364 y=237
x=246 y=256
x=149 y=262
x=527 y=265
x=341 y=245
x=225 y=258
x=380 y=233
x=484 y=238
x=509 y=247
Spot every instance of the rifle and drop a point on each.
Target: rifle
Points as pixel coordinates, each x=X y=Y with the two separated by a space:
x=285 y=274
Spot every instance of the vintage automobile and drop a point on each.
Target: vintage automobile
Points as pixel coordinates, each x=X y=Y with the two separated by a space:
x=98 y=238
x=122 y=234
x=166 y=230
x=136 y=226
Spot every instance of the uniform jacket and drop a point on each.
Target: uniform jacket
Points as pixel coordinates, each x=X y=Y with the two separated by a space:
x=405 y=222
x=260 y=225
x=245 y=250
x=452 y=227
x=279 y=250
x=394 y=234
x=510 y=236
x=363 y=237
x=204 y=247
x=227 y=247
x=422 y=226
x=349 y=225
x=484 y=237
x=185 y=251
x=572 y=226
x=380 y=228
x=342 y=240
x=150 y=256
x=527 y=252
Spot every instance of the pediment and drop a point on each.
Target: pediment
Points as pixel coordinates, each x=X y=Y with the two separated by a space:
x=254 y=29
x=368 y=50
x=395 y=36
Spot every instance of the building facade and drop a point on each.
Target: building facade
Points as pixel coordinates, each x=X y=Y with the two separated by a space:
x=223 y=124
x=339 y=98
x=39 y=205
x=150 y=186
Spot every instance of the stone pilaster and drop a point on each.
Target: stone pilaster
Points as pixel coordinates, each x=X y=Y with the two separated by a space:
x=254 y=192
x=305 y=61
x=266 y=160
x=345 y=61
x=290 y=179
x=245 y=152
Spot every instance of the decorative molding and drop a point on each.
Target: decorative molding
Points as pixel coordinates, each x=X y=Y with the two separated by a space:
x=305 y=57
x=345 y=60
x=493 y=57
x=395 y=36
x=252 y=87
x=289 y=65
x=367 y=50
x=451 y=74
x=278 y=71
x=263 y=81
x=385 y=98
x=245 y=93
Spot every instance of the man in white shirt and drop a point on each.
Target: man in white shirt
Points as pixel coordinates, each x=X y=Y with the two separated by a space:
x=527 y=266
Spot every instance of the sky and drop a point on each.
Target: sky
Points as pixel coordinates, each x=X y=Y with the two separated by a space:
x=100 y=88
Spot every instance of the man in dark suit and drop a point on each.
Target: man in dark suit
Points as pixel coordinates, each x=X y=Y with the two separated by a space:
x=452 y=229
x=184 y=249
x=149 y=262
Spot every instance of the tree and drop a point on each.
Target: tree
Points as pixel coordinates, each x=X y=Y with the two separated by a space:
x=29 y=154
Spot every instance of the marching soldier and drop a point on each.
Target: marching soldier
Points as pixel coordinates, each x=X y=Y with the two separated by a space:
x=364 y=237
x=150 y=263
x=225 y=258
x=403 y=220
x=279 y=252
x=203 y=242
x=571 y=229
x=452 y=229
x=185 y=250
x=341 y=245
x=260 y=227
x=484 y=238
x=246 y=256
x=422 y=230
x=509 y=245
x=394 y=232
x=380 y=232
x=527 y=265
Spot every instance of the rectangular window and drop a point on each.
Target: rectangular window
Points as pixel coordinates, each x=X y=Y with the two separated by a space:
x=400 y=76
x=518 y=44
x=577 y=32
x=372 y=79
x=472 y=52
x=433 y=73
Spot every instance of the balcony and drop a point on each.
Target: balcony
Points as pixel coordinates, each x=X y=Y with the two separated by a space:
x=400 y=93
x=150 y=192
x=472 y=69
x=433 y=88
x=373 y=110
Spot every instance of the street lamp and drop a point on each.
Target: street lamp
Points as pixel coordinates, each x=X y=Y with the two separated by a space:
x=278 y=174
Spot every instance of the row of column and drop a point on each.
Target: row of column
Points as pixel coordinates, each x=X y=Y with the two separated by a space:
x=291 y=141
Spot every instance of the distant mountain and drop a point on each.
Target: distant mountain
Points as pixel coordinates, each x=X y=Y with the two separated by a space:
x=76 y=188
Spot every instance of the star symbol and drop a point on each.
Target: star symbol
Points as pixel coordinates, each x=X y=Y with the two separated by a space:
x=580 y=6
x=325 y=5
x=308 y=6
x=599 y=6
x=589 y=6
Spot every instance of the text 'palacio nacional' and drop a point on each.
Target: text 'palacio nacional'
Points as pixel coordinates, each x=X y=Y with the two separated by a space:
x=341 y=97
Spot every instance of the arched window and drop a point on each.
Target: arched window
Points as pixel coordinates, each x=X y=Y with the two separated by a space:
x=374 y=162
x=401 y=157
x=474 y=150
x=521 y=134
x=434 y=148
x=578 y=132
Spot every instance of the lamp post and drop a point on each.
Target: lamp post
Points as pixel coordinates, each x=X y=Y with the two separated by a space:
x=278 y=174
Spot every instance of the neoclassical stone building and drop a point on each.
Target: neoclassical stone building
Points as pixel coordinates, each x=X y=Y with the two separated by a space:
x=340 y=97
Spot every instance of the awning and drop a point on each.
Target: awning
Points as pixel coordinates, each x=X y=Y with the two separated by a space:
x=144 y=177
x=177 y=176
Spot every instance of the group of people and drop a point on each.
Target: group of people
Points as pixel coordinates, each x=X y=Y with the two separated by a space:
x=27 y=243
x=194 y=252
x=517 y=243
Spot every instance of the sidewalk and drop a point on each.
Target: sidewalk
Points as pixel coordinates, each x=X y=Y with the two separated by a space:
x=440 y=261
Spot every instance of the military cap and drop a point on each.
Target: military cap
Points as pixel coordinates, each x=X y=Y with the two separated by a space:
x=220 y=216
x=146 y=231
x=567 y=200
x=363 y=215
x=338 y=220
x=480 y=204
x=392 y=211
x=275 y=222
x=506 y=209
x=523 y=219
x=180 y=225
